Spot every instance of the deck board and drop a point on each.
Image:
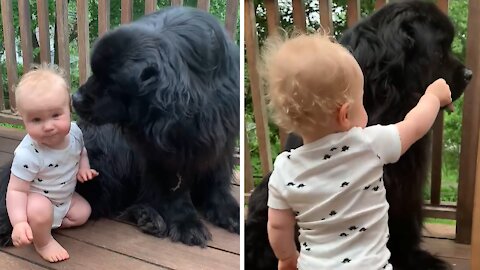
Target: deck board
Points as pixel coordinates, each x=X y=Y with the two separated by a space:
x=109 y=244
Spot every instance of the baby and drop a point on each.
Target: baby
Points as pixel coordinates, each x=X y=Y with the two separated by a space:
x=332 y=186
x=47 y=163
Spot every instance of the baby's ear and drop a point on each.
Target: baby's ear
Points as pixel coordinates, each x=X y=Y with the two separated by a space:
x=343 y=120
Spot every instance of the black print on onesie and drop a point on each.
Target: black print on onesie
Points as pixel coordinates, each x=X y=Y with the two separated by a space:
x=306 y=246
x=352 y=228
x=327 y=156
x=333 y=149
x=345 y=148
x=25 y=166
x=344 y=184
x=40 y=180
x=375 y=188
x=367 y=187
x=346 y=260
x=289 y=184
x=36 y=151
x=300 y=185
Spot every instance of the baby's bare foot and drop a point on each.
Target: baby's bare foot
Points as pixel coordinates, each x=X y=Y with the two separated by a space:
x=52 y=251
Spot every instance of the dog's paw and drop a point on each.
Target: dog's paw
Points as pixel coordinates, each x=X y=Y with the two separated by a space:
x=147 y=219
x=225 y=216
x=191 y=232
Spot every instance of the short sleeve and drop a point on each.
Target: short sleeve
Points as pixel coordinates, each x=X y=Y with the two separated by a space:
x=385 y=141
x=77 y=133
x=275 y=186
x=25 y=164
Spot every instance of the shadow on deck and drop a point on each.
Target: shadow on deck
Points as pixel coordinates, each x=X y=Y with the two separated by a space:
x=109 y=244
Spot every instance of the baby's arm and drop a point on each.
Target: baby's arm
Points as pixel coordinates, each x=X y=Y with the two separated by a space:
x=421 y=118
x=281 y=228
x=85 y=173
x=17 y=193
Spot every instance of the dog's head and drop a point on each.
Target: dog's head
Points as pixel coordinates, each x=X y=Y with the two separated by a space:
x=161 y=66
x=401 y=49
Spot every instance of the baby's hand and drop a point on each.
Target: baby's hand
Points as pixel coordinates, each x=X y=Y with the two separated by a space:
x=441 y=90
x=86 y=174
x=22 y=234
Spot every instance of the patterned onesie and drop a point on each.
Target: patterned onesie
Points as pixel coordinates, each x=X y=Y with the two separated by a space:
x=52 y=172
x=335 y=188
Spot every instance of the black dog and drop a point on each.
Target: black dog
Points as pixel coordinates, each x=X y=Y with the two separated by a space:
x=160 y=116
x=401 y=49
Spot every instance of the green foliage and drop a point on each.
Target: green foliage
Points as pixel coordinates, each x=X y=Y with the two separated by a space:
x=452 y=123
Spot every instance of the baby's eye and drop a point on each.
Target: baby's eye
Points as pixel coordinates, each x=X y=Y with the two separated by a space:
x=55 y=115
x=36 y=120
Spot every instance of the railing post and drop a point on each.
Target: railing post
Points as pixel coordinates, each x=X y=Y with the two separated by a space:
x=257 y=92
x=470 y=128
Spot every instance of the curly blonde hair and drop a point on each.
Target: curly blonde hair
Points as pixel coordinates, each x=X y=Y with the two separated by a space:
x=308 y=78
x=41 y=78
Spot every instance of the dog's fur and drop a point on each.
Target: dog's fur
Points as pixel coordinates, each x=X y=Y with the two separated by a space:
x=160 y=116
x=401 y=49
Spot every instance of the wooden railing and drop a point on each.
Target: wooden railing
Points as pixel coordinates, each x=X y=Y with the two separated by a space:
x=462 y=211
x=62 y=38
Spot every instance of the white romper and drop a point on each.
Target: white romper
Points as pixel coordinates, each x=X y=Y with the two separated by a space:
x=52 y=172
x=335 y=188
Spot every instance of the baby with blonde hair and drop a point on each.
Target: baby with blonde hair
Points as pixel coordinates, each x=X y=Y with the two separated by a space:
x=46 y=165
x=332 y=186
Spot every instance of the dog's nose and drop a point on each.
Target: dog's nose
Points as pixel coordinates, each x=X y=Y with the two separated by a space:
x=467 y=74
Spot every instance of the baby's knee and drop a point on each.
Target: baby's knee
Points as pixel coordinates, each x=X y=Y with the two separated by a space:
x=39 y=209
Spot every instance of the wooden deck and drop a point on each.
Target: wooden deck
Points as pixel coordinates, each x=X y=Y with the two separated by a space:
x=109 y=244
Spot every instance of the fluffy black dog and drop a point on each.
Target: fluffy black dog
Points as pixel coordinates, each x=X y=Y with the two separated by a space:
x=401 y=49
x=160 y=116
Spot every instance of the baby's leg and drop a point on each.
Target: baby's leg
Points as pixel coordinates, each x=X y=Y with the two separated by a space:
x=40 y=217
x=78 y=213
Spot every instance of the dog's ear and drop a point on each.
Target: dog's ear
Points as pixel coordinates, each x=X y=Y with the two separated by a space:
x=147 y=78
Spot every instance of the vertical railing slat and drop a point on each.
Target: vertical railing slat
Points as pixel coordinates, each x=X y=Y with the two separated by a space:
x=326 y=21
x=25 y=33
x=103 y=16
x=437 y=143
x=150 y=6
x=273 y=16
x=231 y=17
x=379 y=4
x=204 y=5
x=10 y=52
x=299 y=19
x=43 y=31
x=273 y=22
x=62 y=35
x=470 y=128
x=353 y=12
x=127 y=11
x=257 y=92
x=83 y=40
x=176 y=2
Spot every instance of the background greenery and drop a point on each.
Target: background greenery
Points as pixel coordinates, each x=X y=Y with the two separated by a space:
x=452 y=127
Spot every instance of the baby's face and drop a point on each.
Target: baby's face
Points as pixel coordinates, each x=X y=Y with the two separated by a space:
x=46 y=116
